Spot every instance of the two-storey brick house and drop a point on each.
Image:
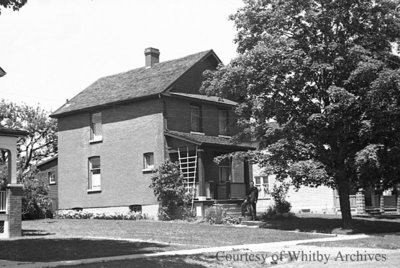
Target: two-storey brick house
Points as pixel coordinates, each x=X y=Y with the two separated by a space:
x=114 y=133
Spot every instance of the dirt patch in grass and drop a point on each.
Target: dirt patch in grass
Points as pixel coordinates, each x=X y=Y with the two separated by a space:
x=332 y=224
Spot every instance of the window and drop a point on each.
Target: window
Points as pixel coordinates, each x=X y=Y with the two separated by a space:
x=195 y=118
x=237 y=170
x=148 y=161
x=95 y=127
x=51 y=175
x=223 y=122
x=261 y=181
x=225 y=171
x=94 y=174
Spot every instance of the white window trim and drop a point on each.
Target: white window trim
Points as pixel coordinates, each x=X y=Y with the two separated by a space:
x=148 y=168
x=96 y=188
x=96 y=138
x=48 y=177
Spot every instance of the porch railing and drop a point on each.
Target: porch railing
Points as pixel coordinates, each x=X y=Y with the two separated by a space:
x=3 y=196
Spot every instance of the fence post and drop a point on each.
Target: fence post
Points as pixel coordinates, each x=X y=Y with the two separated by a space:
x=360 y=202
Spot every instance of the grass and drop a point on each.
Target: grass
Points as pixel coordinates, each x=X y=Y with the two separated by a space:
x=55 y=240
x=189 y=235
x=196 y=261
x=331 y=224
x=390 y=241
x=39 y=249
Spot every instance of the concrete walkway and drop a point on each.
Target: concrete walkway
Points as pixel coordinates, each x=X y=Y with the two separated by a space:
x=263 y=247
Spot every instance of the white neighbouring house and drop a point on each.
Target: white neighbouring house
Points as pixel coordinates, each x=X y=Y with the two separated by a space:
x=320 y=200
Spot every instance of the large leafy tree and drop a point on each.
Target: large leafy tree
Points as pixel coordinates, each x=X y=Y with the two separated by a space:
x=14 y=4
x=318 y=84
x=41 y=140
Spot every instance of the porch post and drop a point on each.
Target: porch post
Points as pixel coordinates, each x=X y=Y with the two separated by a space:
x=246 y=171
x=202 y=180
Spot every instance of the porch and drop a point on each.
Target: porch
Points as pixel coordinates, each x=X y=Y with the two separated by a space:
x=225 y=182
x=10 y=191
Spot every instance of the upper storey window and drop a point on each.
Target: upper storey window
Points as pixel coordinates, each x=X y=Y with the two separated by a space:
x=195 y=117
x=96 y=133
x=223 y=121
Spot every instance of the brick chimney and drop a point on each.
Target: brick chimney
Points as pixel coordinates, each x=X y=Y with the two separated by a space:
x=152 y=56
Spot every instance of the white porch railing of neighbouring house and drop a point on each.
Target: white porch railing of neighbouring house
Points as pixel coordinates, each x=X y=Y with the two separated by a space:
x=3 y=196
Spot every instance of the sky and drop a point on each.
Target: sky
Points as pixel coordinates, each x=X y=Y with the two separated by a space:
x=53 y=49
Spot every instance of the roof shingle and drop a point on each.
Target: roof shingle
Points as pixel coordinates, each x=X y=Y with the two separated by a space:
x=137 y=83
x=207 y=140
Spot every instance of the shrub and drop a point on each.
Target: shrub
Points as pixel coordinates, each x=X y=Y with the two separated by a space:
x=168 y=187
x=36 y=204
x=279 y=194
x=281 y=207
x=215 y=214
x=218 y=215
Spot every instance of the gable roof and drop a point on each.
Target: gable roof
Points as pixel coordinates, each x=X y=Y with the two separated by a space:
x=134 y=84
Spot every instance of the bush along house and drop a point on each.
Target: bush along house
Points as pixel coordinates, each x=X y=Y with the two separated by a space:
x=114 y=134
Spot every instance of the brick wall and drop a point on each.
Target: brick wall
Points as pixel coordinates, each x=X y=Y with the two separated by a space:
x=177 y=113
x=14 y=206
x=129 y=131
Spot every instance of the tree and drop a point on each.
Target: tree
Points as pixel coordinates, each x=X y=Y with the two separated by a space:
x=14 y=4
x=41 y=141
x=318 y=85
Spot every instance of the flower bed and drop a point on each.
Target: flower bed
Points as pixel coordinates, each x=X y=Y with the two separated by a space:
x=73 y=214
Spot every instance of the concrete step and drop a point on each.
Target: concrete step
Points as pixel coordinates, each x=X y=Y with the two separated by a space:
x=251 y=223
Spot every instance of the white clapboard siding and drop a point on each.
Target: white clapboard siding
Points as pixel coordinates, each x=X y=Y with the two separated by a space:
x=314 y=200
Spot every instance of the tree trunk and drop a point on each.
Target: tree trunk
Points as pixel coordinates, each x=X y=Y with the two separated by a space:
x=344 y=194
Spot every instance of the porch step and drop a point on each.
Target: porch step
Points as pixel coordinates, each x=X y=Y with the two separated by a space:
x=232 y=209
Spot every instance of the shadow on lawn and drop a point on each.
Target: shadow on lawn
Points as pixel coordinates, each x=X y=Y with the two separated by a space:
x=332 y=225
x=196 y=261
x=46 y=250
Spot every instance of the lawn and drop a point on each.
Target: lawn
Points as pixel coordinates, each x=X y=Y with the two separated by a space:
x=56 y=240
x=332 y=224
x=189 y=235
x=389 y=241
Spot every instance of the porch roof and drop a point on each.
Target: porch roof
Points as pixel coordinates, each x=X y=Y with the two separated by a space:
x=199 y=139
x=12 y=132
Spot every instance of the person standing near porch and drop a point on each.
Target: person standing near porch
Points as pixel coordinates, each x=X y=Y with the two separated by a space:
x=251 y=201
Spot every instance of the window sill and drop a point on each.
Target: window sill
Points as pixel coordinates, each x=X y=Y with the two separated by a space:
x=94 y=190
x=197 y=133
x=52 y=183
x=96 y=141
x=148 y=170
x=224 y=136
